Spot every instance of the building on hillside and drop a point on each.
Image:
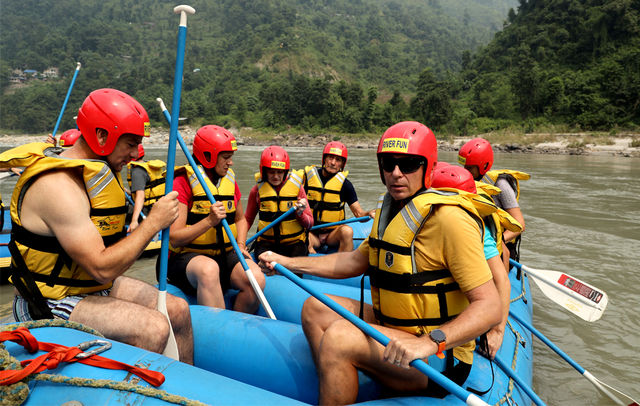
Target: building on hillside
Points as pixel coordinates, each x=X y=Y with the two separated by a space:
x=51 y=72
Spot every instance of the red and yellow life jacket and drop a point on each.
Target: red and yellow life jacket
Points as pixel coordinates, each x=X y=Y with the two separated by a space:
x=214 y=241
x=273 y=204
x=324 y=199
x=41 y=258
x=154 y=189
x=405 y=295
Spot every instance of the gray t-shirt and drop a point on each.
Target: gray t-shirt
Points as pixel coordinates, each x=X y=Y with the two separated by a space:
x=139 y=179
x=506 y=199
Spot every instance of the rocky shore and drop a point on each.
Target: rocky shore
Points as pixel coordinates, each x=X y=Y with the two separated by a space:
x=571 y=144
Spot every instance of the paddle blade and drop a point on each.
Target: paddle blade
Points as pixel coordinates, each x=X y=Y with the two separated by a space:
x=580 y=298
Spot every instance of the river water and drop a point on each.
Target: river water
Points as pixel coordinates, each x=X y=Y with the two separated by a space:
x=582 y=217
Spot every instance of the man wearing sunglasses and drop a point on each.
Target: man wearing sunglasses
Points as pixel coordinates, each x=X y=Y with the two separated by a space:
x=328 y=189
x=431 y=288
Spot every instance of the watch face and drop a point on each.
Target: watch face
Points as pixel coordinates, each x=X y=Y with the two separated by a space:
x=437 y=336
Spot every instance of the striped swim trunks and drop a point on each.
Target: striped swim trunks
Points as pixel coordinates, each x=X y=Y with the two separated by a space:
x=61 y=309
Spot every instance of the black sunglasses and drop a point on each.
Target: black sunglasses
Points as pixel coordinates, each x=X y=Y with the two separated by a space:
x=406 y=164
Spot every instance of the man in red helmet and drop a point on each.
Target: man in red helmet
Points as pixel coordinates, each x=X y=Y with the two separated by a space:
x=277 y=189
x=453 y=177
x=146 y=181
x=477 y=157
x=328 y=189
x=69 y=245
x=202 y=261
x=431 y=287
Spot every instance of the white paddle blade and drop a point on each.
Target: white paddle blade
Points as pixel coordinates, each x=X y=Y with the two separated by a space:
x=171 y=350
x=580 y=298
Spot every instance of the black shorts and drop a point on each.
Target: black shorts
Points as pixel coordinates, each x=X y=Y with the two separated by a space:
x=297 y=249
x=177 y=269
x=458 y=374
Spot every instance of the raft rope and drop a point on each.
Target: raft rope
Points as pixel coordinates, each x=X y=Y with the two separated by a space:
x=520 y=340
x=18 y=392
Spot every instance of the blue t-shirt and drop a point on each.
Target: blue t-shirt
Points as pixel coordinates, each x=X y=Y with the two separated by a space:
x=490 y=246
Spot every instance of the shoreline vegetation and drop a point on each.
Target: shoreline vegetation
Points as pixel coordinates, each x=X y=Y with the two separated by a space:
x=625 y=144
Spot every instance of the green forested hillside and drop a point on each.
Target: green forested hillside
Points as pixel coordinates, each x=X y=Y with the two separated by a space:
x=562 y=61
x=335 y=65
x=239 y=53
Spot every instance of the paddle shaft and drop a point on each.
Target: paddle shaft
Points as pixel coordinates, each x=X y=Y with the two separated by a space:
x=270 y=225
x=567 y=358
x=66 y=99
x=522 y=384
x=171 y=350
x=225 y=224
x=419 y=364
x=337 y=223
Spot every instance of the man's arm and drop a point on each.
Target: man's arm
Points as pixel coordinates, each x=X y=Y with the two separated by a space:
x=516 y=213
x=335 y=266
x=242 y=227
x=503 y=286
x=46 y=211
x=359 y=212
x=138 y=203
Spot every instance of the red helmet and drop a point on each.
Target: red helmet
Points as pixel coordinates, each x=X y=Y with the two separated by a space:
x=273 y=157
x=335 y=148
x=69 y=137
x=113 y=111
x=210 y=141
x=476 y=152
x=140 y=152
x=411 y=138
x=453 y=176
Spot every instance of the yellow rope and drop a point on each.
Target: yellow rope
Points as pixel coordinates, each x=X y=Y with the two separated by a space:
x=19 y=392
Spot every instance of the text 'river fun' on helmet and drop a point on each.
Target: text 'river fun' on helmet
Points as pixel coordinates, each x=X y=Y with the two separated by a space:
x=273 y=157
x=476 y=152
x=210 y=141
x=411 y=138
x=69 y=137
x=453 y=176
x=115 y=112
x=335 y=148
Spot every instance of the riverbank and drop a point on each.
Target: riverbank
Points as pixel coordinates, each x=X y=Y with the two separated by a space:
x=623 y=144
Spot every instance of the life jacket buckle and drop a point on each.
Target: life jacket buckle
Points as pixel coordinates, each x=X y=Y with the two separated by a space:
x=103 y=346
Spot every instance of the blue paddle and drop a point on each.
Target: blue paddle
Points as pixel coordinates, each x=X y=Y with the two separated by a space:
x=270 y=225
x=337 y=223
x=225 y=224
x=420 y=365
x=66 y=99
x=171 y=349
x=595 y=381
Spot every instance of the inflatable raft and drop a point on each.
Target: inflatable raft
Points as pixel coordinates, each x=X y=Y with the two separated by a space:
x=249 y=359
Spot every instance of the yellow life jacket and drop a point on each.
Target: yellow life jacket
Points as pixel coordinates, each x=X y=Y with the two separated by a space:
x=214 y=241
x=273 y=204
x=324 y=200
x=403 y=294
x=513 y=177
x=41 y=259
x=154 y=189
x=499 y=221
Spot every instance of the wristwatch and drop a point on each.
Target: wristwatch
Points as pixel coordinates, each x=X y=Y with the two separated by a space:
x=438 y=337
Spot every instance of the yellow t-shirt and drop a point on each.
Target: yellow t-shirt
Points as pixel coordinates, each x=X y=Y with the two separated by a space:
x=451 y=239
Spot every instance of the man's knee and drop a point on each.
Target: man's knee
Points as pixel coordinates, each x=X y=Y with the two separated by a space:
x=178 y=309
x=346 y=233
x=154 y=332
x=312 y=311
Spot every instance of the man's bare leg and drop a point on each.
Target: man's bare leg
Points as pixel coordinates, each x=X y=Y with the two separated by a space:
x=204 y=274
x=247 y=300
x=342 y=236
x=129 y=315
